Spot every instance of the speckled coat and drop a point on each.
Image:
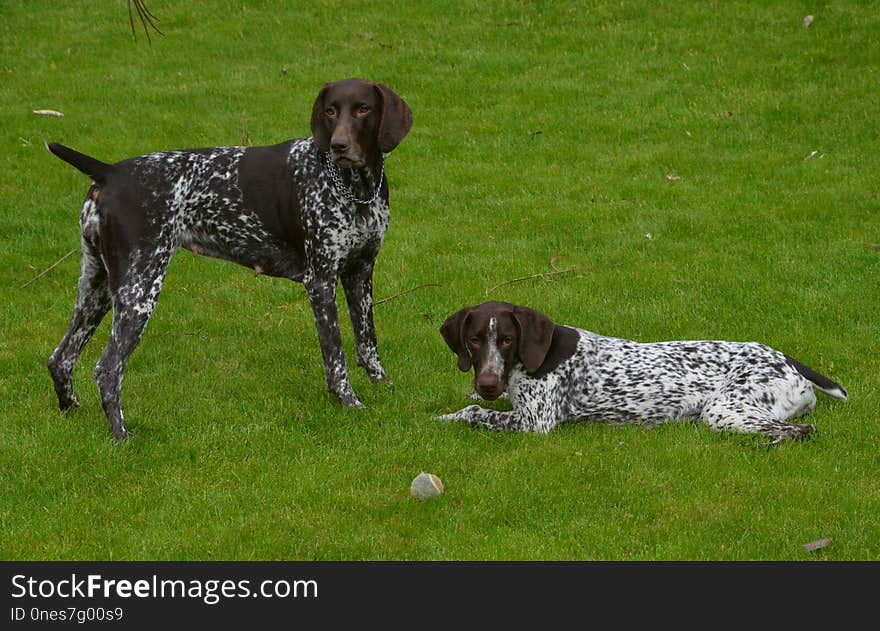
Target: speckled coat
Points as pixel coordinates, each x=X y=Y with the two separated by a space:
x=737 y=386
x=313 y=210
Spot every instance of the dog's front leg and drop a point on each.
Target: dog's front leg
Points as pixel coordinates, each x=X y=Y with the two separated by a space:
x=358 y=285
x=513 y=421
x=322 y=295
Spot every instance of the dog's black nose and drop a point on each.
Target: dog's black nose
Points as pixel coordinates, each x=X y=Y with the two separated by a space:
x=339 y=146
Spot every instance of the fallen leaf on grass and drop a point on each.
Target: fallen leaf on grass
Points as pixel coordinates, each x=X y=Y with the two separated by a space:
x=48 y=113
x=873 y=246
x=808 y=20
x=817 y=545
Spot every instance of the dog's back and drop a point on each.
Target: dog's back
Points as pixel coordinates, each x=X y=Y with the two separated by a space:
x=625 y=381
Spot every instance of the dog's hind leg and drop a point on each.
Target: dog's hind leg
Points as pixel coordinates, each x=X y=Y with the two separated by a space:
x=725 y=414
x=92 y=303
x=133 y=302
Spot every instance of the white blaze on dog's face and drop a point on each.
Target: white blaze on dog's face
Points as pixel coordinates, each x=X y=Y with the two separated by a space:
x=494 y=361
x=493 y=352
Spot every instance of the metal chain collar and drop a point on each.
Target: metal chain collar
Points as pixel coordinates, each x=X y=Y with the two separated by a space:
x=343 y=189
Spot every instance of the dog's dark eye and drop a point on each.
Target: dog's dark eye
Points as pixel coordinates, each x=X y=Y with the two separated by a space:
x=363 y=110
x=474 y=342
x=505 y=342
x=330 y=112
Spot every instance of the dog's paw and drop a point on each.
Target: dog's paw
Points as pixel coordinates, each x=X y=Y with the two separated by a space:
x=374 y=370
x=386 y=382
x=462 y=415
x=121 y=435
x=70 y=404
x=348 y=399
x=448 y=418
x=797 y=432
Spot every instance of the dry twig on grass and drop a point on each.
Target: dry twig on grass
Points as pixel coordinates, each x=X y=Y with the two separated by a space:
x=48 y=269
x=555 y=272
x=403 y=293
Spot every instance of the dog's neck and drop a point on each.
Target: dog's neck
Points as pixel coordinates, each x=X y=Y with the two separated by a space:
x=362 y=181
x=359 y=184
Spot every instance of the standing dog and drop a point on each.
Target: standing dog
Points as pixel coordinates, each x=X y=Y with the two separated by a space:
x=313 y=210
x=556 y=373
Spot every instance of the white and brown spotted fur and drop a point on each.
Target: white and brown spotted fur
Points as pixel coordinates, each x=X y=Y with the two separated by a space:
x=556 y=373
x=314 y=210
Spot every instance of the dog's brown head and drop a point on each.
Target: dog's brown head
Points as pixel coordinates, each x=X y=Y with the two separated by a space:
x=356 y=121
x=493 y=337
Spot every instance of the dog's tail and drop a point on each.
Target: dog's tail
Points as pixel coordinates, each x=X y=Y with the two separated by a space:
x=92 y=167
x=819 y=381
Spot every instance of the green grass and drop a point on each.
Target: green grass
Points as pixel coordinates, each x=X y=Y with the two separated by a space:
x=544 y=135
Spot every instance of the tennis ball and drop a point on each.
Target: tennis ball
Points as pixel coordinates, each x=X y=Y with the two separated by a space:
x=425 y=485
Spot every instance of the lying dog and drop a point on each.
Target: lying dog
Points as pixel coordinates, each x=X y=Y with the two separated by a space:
x=557 y=373
x=313 y=210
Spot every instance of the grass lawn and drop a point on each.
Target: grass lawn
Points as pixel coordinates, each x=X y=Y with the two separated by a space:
x=707 y=170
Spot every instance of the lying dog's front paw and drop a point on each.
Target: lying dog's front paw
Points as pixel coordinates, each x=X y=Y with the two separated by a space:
x=461 y=415
x=453 y=416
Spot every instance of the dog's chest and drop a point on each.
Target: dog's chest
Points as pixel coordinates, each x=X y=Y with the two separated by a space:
x=340 y=229
x=349 y=230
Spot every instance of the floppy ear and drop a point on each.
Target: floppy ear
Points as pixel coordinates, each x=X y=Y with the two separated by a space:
x=320 y=134
x=396 y=119
x=535 y=335
x=452 y=332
